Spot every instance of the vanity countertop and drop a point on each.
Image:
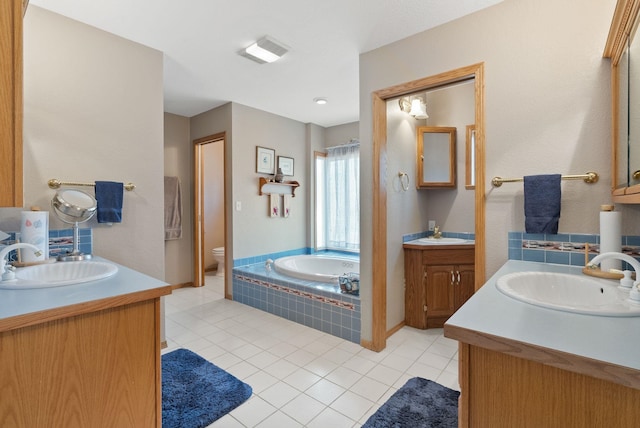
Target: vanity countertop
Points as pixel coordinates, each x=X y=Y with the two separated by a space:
x=421 y=244
x=20 y=308
x=600 y=346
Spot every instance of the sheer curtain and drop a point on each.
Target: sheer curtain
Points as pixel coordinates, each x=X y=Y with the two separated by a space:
x=342 y=197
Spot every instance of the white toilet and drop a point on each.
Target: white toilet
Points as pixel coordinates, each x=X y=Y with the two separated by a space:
x=218 y=255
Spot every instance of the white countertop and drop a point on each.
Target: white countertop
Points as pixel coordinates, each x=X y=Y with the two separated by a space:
x=613 y=340
x=125 y=281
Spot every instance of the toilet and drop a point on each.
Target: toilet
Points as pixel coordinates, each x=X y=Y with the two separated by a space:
x=218 y=255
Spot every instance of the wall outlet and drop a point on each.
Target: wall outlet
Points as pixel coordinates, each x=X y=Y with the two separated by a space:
x=238 y=206
x=432 y=225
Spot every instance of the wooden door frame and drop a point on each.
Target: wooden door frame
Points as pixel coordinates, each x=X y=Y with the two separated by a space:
x=198 y=209
x=379 y=215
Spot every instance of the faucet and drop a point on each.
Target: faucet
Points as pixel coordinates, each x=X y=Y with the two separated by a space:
x=626 y=281
x=436 y=233
x=268 y=264
x=5 y=268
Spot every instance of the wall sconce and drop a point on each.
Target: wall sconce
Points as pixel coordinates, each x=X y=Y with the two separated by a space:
x=264 y=50
x=414 y=106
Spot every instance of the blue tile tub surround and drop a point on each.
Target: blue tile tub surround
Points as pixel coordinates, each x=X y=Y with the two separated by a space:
x=60 y=241
x=313 y=304
x=563 y=248
x=461 y=235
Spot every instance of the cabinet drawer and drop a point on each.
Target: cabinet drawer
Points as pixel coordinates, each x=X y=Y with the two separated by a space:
x=441 y=256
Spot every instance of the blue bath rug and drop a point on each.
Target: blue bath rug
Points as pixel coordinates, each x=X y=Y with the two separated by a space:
x=195 y=392
x=419 y=403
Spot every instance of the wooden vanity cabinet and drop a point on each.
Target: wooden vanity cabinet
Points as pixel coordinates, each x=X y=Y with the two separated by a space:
x=438 y=280
x=11 y=13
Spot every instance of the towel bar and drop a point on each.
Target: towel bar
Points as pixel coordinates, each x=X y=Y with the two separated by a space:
x=54 y=183
x=590 y=177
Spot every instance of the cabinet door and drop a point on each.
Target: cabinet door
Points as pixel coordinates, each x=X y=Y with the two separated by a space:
x=11 y=103
x=439 y=290
x=465 y=284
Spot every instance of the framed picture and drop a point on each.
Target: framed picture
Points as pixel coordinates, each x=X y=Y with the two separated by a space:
x=265 y=160
x=286 y=164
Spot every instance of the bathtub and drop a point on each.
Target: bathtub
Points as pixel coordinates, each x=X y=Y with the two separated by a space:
x=317 y=267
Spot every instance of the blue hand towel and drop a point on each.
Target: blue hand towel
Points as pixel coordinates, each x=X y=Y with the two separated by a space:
x=109 y=197
x=542 y=203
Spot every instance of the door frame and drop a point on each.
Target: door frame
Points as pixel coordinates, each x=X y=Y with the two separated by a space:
x=198 y=208
x=379 y=214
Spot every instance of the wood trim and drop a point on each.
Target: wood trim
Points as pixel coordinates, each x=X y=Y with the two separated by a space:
x=40 y=317
x=158 y=357
x=570 y=362
x=624 y=18
x=198 y=211
x=379 y=221
x=395 y=329
x=480 y=241
x=11 y=104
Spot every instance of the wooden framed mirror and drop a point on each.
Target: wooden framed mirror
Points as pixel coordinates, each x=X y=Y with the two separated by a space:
x=436 y=157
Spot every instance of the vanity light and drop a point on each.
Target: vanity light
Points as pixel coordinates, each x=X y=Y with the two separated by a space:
x=320 y=101
x=414 y=106
x=264 y=51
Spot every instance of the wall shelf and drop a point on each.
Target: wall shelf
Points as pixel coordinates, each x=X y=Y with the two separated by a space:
x=266 y=187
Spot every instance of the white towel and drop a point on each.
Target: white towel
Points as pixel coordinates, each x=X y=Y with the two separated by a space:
x=172 y=209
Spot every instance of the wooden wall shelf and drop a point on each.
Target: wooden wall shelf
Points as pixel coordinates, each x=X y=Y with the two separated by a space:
x=266 y=187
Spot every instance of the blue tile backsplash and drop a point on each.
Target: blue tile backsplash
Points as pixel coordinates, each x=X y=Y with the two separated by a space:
x=562 y=248
x=60 y=241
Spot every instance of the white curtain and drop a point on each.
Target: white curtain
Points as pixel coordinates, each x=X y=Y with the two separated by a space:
x=342 y=192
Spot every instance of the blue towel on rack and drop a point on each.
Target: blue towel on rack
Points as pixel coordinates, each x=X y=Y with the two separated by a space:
x=542 y=203
x=109 y=197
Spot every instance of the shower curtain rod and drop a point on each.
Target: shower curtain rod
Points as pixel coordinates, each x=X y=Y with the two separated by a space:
x=353 y=143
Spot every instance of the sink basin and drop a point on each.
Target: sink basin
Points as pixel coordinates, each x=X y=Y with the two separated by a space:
x=443 y=241
x=61 y=273
x=569 y=293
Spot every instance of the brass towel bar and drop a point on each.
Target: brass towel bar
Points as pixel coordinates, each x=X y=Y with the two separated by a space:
x=54 y=183
x=590 y=177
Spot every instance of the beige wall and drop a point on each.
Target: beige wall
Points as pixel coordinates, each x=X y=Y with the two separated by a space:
x=178 y=162
x=547 y=107
x=93 y=111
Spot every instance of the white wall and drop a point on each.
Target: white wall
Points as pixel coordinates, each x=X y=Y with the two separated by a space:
x=547 y=107
x=93 y=109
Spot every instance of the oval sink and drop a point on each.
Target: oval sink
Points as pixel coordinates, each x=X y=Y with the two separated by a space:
x=61 y=273
x=569 y=293
x=443 y=241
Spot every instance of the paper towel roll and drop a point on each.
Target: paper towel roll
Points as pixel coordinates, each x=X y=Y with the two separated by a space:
x=34 y=229
x=610 y=238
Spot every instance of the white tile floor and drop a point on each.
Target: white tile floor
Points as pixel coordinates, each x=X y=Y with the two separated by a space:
x=300 y=377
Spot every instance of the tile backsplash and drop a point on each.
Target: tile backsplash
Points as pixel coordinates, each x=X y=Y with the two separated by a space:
x=60 y=241
x=562 y=248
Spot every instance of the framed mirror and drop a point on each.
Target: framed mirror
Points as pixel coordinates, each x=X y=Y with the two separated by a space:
x=470 y=158
x=436 y=157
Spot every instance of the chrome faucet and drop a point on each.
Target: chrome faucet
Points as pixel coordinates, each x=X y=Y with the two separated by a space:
x=6 y=270
x=626 y=281
x=436 y=233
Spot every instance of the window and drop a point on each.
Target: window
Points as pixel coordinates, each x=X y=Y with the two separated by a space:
x=338 y=198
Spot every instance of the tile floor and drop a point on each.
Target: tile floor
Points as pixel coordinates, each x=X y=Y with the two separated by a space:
x=300 y=377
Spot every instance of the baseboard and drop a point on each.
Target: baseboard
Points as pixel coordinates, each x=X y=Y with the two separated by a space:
x=395 y=329
x=163 y=344
x=183 y=285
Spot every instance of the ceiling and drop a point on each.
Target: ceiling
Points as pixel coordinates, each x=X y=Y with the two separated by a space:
x=200 y=40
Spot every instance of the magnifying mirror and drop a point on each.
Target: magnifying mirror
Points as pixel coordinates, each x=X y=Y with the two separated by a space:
x=74 y=207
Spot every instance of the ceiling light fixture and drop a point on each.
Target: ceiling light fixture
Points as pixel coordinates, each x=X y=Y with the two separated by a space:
x=414 y=106
x=321 y=101
x=264 y=50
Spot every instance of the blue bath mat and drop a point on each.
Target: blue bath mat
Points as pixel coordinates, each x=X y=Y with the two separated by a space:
x=419 y=403
x=195 y=392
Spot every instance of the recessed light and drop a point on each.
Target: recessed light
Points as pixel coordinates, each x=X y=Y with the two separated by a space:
x=321 y=101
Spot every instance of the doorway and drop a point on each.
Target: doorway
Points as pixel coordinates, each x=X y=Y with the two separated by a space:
x=379 y=214
x=209 y=199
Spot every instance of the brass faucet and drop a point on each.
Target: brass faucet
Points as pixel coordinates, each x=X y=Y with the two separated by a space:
x=436 y=233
